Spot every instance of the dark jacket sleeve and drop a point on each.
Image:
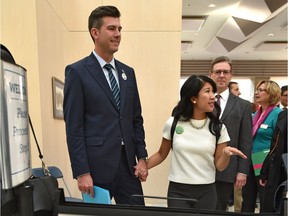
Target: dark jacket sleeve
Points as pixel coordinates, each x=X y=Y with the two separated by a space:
x=273 y=165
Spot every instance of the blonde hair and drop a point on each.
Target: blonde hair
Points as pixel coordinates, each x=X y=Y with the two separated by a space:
x=273 y=90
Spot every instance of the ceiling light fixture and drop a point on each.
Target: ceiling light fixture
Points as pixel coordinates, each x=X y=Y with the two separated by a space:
x=271 y=46
x=192 y=23
x=185 y=45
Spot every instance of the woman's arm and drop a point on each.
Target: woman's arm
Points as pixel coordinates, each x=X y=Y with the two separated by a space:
x=159 y=156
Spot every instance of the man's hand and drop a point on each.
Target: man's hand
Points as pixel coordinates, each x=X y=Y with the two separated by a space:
x=262 y=182
x=141 y=170
x=85 y=184
x=240 y=180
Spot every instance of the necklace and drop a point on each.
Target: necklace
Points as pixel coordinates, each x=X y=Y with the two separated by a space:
x=194 y=126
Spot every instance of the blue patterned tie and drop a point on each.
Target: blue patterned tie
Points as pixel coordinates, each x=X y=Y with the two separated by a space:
x=114 y=85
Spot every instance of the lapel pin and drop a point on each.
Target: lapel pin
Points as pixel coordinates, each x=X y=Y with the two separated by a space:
x=124 y=77
x=179 y=130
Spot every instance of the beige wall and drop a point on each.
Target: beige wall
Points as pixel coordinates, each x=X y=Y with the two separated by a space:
x=19 y=34
x=46 y=35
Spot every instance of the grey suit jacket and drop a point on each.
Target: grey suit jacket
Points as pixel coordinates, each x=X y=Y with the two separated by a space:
x=237 y=116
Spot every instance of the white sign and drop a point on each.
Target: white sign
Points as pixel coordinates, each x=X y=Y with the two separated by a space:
x=17 y=121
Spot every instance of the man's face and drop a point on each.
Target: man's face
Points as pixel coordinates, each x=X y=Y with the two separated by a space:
x=108 y=37
x=284 y=99
x=221 y=75
x=234 y=89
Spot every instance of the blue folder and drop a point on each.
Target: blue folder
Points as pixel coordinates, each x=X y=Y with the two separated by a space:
x=101 y=196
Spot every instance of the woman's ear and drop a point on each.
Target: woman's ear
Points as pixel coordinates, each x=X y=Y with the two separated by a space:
x=193 y=99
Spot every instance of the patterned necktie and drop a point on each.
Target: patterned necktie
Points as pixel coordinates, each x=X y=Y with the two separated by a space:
x=218 y=99
x=114 y=85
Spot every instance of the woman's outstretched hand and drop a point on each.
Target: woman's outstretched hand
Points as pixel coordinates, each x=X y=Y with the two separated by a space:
x=229 y=151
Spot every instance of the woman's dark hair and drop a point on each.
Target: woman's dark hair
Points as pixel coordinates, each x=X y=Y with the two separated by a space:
x=184 y=109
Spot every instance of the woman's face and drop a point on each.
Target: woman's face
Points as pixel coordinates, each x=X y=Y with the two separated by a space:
x=204 y=102
x=261 y=95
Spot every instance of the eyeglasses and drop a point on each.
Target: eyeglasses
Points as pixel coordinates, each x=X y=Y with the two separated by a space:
x=260 y=90
x=219 y=72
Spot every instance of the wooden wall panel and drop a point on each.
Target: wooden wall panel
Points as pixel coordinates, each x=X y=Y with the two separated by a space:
x=241 y=68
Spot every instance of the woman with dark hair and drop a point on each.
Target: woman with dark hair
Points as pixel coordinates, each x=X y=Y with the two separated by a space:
x=199 y=146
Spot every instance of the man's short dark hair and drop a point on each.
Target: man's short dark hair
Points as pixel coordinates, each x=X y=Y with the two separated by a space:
x=283 y=89
x=95 y=18
x=231 y=83
x=221 y=59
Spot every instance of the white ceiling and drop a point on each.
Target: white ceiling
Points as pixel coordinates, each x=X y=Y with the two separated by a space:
x=235 y=28
x=228 y=23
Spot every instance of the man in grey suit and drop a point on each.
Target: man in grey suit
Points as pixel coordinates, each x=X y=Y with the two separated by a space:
x=102 y=112
x=236 y=114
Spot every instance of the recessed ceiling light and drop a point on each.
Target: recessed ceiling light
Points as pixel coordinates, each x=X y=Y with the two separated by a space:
x=185 y=45
x=196 y=34
x=270 y=35
x=212 y=5
x=271 y=46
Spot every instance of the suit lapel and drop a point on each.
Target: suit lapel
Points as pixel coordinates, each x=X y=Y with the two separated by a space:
x=229 y=105
x=282 y=122
x=96 y=72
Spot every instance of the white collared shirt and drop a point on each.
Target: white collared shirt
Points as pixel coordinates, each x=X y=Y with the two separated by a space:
x=223 y=100
x=103 y=63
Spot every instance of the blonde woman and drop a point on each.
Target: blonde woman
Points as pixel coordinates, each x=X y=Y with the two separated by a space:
x=267 y=95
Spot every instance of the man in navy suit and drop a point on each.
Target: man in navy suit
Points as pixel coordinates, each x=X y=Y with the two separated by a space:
x=105 y=141
x=236 y=114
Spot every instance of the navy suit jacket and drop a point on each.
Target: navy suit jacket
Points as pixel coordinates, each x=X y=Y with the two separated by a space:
x=237 y=117
x=94 y=126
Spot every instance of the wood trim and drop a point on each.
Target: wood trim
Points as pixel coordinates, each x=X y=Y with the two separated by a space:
x=241 y=68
